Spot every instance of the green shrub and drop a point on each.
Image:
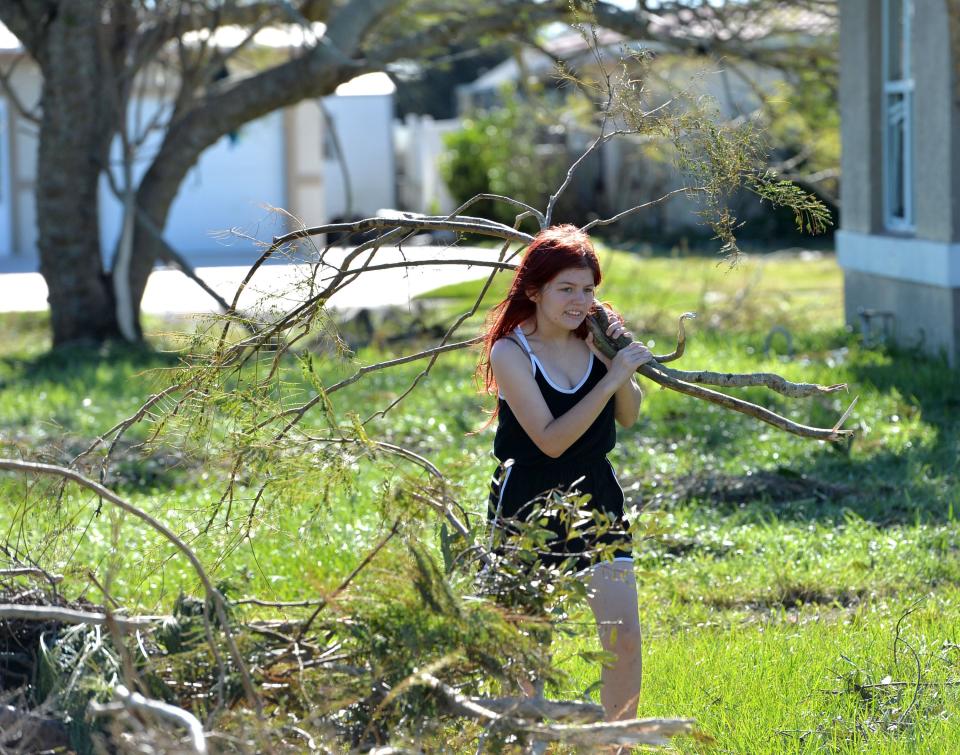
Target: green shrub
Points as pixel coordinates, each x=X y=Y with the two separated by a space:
x=515 y=150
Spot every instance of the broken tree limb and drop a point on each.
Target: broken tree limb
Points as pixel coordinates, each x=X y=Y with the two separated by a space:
x=641 y=731
x=538 y=708
x=73 y=616
x=745 y=380
x=133 y=701
x=598 y=321
x=744 y=407
x=213 y=595
x=681 y=340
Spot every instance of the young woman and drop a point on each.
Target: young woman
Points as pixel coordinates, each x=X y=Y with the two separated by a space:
x=558 y=400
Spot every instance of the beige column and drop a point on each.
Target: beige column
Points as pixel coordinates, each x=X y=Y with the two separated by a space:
x=306 y=201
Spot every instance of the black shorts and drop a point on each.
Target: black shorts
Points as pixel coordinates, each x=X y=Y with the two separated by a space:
x=517 y=492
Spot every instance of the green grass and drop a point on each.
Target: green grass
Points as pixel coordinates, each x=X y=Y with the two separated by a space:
x=769 y=616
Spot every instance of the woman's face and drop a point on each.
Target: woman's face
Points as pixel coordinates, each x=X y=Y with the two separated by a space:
x=566 y=299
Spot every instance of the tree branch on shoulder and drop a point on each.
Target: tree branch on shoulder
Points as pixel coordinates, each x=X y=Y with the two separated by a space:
x=690 y=383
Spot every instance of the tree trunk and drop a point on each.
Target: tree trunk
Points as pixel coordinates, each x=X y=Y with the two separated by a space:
x=73 y=145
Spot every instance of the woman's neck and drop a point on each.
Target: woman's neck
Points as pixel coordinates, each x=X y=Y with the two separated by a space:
x=547 y=333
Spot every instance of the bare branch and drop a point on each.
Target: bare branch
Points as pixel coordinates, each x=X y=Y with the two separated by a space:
x=681 y=340
x=32 y=571
x=6 y=84
x=649 y=731
x=137 y=702
x=552 y=202
x=745 y=407
x=621 y=215
x=73 y=616
x=213 y=595
x=500 y=198
x=745 y=380
x=597 y=323
x=412 y=221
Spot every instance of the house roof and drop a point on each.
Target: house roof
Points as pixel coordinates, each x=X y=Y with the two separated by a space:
x=746 y=24
x=772 y=28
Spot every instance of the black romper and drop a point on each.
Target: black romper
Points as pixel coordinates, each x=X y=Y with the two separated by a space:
x=534 y=473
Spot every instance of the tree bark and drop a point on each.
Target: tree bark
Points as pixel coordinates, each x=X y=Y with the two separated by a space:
x=71 y=150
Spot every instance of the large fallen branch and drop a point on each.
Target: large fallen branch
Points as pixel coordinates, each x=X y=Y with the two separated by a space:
x=640 y=731
x=689 y=383
x=132 y=701
x=213 y=595
x=538 y=708
x=73 y=616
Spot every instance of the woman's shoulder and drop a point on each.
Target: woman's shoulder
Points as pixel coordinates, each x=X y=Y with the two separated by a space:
x=507 y=348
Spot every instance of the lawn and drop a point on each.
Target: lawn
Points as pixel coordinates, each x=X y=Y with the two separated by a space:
x=795 y=596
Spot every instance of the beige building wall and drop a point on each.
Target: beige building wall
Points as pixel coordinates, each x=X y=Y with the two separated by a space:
x=915 y=275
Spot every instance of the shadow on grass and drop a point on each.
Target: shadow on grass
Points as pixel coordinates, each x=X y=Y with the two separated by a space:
x=87 y=363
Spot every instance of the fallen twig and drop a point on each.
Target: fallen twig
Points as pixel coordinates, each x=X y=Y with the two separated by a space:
x=641 y=731
x=136 y=702
x=73 y=616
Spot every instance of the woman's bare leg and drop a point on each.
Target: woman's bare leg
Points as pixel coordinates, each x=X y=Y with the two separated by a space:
x=612 y=593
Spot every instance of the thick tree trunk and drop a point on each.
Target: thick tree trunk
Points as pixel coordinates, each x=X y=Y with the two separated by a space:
x=72 y=146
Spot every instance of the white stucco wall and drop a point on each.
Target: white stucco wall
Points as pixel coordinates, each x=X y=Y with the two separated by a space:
x=233 y=182
x=230 y=187
x=364 y=124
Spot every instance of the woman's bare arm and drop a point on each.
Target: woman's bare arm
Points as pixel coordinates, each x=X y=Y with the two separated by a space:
x=627 y=403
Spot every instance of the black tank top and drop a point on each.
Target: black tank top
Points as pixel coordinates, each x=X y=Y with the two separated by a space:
x=512 y=441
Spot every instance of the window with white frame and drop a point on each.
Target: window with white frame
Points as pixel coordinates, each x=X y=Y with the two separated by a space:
x=897 y=116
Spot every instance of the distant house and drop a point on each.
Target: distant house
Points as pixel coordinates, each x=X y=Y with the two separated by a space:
x=899 y=240
x=287 y=159
x=627 y=171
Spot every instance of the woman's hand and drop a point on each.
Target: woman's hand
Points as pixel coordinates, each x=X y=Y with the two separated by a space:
x=626 y=361
x=615 y=329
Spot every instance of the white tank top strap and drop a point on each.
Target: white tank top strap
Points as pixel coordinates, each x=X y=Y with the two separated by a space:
x=526 y=346
x=522 y=340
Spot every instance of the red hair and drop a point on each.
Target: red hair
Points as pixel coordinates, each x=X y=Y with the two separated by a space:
x=553 y=250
